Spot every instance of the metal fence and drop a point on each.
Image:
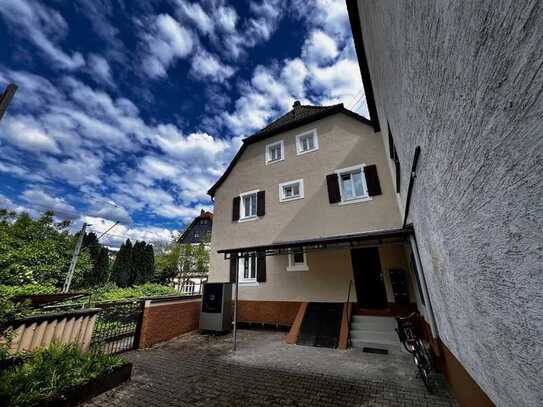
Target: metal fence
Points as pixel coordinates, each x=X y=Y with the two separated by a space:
x=118 y=327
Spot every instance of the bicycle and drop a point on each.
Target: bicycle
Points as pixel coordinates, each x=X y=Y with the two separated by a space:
x=415 y=346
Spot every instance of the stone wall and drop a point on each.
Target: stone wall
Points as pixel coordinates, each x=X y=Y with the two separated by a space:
x=165 y=319
x=464 y=81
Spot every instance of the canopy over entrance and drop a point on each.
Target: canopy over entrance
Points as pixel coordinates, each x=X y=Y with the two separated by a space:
x=330 y=242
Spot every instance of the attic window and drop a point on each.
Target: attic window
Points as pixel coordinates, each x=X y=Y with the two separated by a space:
x=275 y=152
x=307 y=142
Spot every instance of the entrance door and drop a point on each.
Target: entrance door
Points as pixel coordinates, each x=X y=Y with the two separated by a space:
x=368 y=278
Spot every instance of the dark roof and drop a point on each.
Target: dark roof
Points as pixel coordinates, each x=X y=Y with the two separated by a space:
x=298 y=116
x=322 y=242
x=356 y=28
x=203 y=215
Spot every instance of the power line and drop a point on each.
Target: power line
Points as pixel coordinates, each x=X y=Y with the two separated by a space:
x=356 y=96
x=112 y=226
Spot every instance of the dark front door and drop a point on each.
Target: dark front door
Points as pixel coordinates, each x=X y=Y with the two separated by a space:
x=368 y=278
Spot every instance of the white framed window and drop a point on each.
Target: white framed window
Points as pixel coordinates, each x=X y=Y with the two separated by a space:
x=275 y=152
x=247 y=269
x=352 y=184
x=291 y=190
x=297 y=261
x=247 y=206
x=307 y=142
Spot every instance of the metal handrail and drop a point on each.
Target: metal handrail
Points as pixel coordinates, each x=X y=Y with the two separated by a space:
x=349 y=309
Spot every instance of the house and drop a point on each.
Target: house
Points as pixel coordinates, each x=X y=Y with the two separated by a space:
x=307 y=213
x=457 y=86
x=197 y=232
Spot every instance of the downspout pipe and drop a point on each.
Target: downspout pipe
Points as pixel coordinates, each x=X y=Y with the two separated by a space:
x=411 y=182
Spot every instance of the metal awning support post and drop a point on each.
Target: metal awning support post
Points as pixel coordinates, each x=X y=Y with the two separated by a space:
x=236 y=278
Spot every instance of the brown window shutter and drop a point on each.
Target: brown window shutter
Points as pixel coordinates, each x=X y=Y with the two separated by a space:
x=233 y=268
x=372 y=180
x=333 y=188
x=261 y=203
x=235 y=209
x=261 y=268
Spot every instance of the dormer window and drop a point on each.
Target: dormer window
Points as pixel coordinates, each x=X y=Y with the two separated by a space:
x=307 y=142
x=275 y=152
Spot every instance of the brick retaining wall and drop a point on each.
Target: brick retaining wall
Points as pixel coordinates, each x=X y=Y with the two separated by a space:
x=164 y=319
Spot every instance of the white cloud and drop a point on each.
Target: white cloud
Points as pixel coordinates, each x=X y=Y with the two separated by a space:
x=85 y=169
x=40 y=24
x=44 y=201
x=319 y=48
x=207 y=66
x=167 y=41
x=226 y=18
x=20 y=172
x=26 y=133
x=196 y=13
x=100 y=68
x=120 y=233
x=294 y=75
x=115 y=213
x=158 y=169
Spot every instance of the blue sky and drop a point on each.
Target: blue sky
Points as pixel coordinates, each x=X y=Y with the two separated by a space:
x=130 y=110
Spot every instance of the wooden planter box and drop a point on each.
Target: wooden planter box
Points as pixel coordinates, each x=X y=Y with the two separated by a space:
x=86 y=391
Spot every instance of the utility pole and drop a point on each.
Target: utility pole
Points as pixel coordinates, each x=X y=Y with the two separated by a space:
x=70 y=274
x=6 y=98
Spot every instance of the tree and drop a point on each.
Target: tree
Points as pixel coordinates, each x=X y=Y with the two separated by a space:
x=100 y=259
x=38 y=250
x=137 y=277
x=149 y=266
x=122 y=269
x=167 y=265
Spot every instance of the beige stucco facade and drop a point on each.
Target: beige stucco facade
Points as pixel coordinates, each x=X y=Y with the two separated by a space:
x=343 y=142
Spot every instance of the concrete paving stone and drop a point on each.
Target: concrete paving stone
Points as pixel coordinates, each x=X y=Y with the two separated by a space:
x=197 y=370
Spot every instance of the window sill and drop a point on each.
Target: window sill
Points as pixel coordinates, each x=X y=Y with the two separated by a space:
x=275 y=161
x=306 y=151
x=250 y=218
x=298 y=268
x=290 y=199
x=353 y=201
x=248 y=283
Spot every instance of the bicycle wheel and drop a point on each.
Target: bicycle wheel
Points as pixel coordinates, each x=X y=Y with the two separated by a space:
x=423 y=360
x=426 y=378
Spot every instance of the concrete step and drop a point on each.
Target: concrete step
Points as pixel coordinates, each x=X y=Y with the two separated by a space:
x=377 y=327
x=390 y=346
x=374 y=336
x=379 y=324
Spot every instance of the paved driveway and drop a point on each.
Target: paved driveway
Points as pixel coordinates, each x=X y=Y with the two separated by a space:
x=196 y=370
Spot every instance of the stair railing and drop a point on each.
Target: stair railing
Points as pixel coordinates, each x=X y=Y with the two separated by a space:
x=349 y=309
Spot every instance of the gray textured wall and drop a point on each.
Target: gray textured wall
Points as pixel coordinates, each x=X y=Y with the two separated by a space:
x=464 y=80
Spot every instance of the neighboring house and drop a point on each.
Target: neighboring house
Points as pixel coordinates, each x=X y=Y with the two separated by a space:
x=307 y=206
x=463 y=82
x=199 y=231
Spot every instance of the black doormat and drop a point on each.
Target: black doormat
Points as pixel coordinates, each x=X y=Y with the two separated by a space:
x=321 y=325
x=375 y=350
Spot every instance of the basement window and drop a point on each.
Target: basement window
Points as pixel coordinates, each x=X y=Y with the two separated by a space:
x=297 y=261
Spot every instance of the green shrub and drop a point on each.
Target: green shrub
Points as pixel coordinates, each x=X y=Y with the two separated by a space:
x=50 y=372
x=111 y=292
